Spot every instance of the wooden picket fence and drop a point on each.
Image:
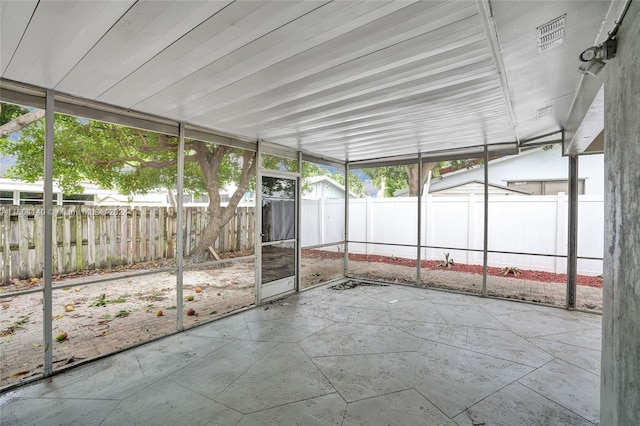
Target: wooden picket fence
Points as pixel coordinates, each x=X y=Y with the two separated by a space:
x=90 y=237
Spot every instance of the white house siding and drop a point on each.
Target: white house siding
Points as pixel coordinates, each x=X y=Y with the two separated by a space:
x=532 y=165
x=323 y=190
x=322 y=187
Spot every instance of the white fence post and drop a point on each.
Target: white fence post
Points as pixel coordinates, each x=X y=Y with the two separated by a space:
x=369 y=227
x=321 y=220
x=471 y=212
x=561 y=233
x=430 y=226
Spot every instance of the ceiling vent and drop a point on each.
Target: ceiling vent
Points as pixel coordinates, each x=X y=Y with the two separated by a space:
x=543 y=112
x=551 y=34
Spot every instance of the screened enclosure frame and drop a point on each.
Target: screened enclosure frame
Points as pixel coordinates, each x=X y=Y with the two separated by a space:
x=54 y=102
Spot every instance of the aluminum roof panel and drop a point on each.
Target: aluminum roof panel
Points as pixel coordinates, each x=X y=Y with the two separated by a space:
x=14 y=19
x=381 y=70
x=223 y=33
x=351 y=80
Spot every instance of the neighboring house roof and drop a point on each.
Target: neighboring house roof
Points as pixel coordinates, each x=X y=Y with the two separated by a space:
x=477 y=163
x=477 y=187
x=322 y=178
x=533 y=166
x=469 y=187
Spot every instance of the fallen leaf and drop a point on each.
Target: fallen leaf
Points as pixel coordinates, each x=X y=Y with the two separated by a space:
x=20 y=373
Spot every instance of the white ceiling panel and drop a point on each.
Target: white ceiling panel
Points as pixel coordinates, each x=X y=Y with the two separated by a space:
x=385 y=96
x=59 y=36
x=456 y=93
x=146 y=29
x=412 y=116
x=298 y=37
x=349 y=80
x=14 y=19
x=460 y=45
x=393 y=29
x=231 y=28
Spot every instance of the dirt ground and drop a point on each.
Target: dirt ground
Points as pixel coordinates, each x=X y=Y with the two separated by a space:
x=113 y=315
x=124 y=311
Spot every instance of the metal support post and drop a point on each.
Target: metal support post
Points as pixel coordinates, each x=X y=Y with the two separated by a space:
x=419 y=236
x=180 y=231
x=485 y=253
x=257 y=219
x=572 y=248
x=298 y=224
x=346 y=219
x=47 y=296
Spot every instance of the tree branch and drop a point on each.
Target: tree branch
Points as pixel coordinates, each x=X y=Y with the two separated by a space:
x=248 y=170
x=21 y=122
x=163 y=148
x=140 y=162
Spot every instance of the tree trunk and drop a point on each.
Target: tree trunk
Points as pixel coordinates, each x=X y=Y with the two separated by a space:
x=209 y=161
x=207 y=239
x=21 y=122
x=416 y=184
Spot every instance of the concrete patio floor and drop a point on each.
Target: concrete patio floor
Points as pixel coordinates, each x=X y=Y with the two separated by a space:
x=371 y=355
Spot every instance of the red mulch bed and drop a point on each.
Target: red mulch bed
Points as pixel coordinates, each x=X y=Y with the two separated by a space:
x=523 y=274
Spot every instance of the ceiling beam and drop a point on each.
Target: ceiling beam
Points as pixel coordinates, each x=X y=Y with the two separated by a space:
x=585 y=120
x=491 y=32
x=31 y=96
x=477 y=151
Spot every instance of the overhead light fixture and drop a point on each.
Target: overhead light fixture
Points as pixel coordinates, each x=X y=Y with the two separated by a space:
x=594 y=57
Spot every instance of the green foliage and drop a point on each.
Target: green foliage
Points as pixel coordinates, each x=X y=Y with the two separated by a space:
x=103 y=301
x=111 y=156
x=100 y=301
x=278 y=187
x=10 y=111
x=453 y=165
x=394 y=178
x=355 y=184
x=282 y=164
x=309 y=169
x=130 y=160
x=18 y=325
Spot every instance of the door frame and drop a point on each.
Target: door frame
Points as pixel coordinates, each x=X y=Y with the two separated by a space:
x=260 y=172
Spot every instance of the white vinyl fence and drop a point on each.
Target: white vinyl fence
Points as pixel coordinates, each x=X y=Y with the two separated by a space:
x=521 y=224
